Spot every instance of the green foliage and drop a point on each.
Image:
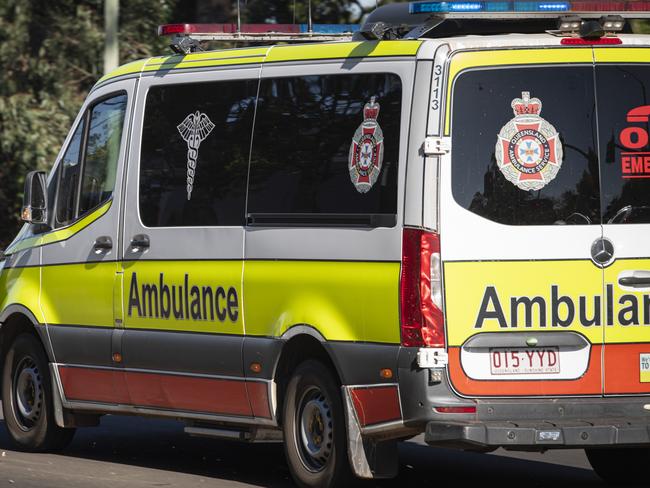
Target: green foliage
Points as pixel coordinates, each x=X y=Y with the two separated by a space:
x=51 y=53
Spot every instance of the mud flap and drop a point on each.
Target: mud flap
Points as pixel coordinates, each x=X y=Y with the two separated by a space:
x=368 y=458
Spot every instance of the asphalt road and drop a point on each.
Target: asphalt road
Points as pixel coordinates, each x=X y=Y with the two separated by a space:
x=128 y=452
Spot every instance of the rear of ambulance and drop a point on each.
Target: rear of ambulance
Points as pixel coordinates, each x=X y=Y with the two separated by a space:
x=526 y=295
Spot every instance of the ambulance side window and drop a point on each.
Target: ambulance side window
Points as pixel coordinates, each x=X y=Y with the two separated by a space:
x=92 y=157
x=194 y=156
x=304 y=131
x=102 y=152
x=69 y=178
x=624 y=114
x=539 y=169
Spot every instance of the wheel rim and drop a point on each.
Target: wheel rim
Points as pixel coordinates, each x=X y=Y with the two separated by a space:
x=314 y=435
x=28 y=393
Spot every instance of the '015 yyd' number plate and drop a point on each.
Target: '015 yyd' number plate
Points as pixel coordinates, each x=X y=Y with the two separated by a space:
x=532 y=360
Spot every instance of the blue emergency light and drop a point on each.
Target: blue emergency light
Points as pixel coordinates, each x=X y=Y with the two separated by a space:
x=526 y=7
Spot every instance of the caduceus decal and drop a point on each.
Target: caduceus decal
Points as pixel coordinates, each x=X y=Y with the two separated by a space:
x=194 y=129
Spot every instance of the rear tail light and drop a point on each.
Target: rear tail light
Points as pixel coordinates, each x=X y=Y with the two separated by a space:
x=422 y=320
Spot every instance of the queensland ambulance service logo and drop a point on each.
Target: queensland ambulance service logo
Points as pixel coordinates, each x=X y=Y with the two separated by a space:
x=528 y=150
x=194 y=129
x=367 y=149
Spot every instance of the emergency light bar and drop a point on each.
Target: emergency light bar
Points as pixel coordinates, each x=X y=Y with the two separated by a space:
x=634 y=9
x=257 y=32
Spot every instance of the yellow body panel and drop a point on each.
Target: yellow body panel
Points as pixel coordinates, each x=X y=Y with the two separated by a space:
x=344 y=301
x=510 y=57
x=631 y=311
x=622 y=55
x=468 y=291
x=342 y=50
x=210 y=58
x=210 y=275
x=127 y=69
x=78 y=294
x=21 y=286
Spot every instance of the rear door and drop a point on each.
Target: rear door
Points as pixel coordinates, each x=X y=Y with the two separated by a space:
x=623 y=88
x=519 y=214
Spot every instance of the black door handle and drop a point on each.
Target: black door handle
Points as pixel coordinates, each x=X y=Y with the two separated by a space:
x=634 y=281
x=140 y=242
x=103 y=243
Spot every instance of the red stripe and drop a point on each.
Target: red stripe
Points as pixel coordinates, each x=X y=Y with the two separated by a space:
x=172 y=392
x=375 y=405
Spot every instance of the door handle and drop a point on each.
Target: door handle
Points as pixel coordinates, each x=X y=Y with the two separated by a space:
x=140 y=243
x=635 y=281
x=103 y=243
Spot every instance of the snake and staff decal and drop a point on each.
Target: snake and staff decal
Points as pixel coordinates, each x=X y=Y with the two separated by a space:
x=194 y=129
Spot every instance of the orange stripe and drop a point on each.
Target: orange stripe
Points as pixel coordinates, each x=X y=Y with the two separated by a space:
x=588 y=384
x=622 y=369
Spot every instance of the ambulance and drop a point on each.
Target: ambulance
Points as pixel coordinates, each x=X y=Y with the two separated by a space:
x=438 y=226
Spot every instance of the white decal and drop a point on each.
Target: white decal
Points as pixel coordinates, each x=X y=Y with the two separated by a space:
x=528 y=149
x=367 y=149
x=194 y=129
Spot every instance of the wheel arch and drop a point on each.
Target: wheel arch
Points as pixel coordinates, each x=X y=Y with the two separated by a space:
x=17 y=319
x=302 y=342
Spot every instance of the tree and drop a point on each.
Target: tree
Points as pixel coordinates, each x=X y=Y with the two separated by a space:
x=50 y=56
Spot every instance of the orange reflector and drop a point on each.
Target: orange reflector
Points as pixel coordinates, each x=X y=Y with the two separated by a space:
x=386 y=373
x=455 y=409
x=256 y=367
x=117 y=357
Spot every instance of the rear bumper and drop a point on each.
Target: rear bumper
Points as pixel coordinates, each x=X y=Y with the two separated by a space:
x=546 y=424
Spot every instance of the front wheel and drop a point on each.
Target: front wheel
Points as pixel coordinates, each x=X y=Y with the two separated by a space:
x=27 y=398
x=315 y=436
x=620 y=466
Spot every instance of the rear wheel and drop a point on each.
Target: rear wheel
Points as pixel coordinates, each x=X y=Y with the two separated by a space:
x=314 y=428
x=27 y=398
x=620 y=466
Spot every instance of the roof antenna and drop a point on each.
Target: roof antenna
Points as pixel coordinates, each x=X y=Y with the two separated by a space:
x=294 y=11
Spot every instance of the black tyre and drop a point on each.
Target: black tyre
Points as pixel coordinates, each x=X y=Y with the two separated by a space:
x=27 y=398
x=621 y=466
x=315 y=436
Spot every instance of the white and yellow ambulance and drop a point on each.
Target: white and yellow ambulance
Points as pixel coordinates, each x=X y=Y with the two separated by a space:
x=440 y=227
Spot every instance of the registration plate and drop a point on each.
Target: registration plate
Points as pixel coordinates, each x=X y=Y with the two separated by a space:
x=533 y=360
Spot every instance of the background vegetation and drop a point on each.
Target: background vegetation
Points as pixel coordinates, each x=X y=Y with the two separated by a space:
x=51 y=53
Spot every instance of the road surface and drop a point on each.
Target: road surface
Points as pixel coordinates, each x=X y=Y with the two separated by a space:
x=129 y=452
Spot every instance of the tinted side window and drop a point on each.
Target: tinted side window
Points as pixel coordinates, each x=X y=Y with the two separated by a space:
x=538 y=166
x=102 y=152
x=326 y=145
x=195 y=149
x=623 y=114
x=69 y=179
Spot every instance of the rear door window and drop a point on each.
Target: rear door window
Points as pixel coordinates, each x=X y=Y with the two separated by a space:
x=624 y=112
x=524 y=145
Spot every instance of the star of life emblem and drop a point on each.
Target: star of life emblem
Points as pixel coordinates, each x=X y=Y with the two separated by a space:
x=528 y=150
x=367 y=149
x=194 y=129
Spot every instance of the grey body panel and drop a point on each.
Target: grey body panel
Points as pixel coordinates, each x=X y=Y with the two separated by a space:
x=359 y=363
x=90 y=346
x=182 y=352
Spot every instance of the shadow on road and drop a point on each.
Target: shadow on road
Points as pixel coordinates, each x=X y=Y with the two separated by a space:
x=162 y=445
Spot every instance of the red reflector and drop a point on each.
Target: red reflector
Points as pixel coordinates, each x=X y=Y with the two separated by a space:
x=422 y=322
x=603 y=41
x=455 y=409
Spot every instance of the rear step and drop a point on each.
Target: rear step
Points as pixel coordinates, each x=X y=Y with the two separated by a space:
x=538 y=435
x=249 y=434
